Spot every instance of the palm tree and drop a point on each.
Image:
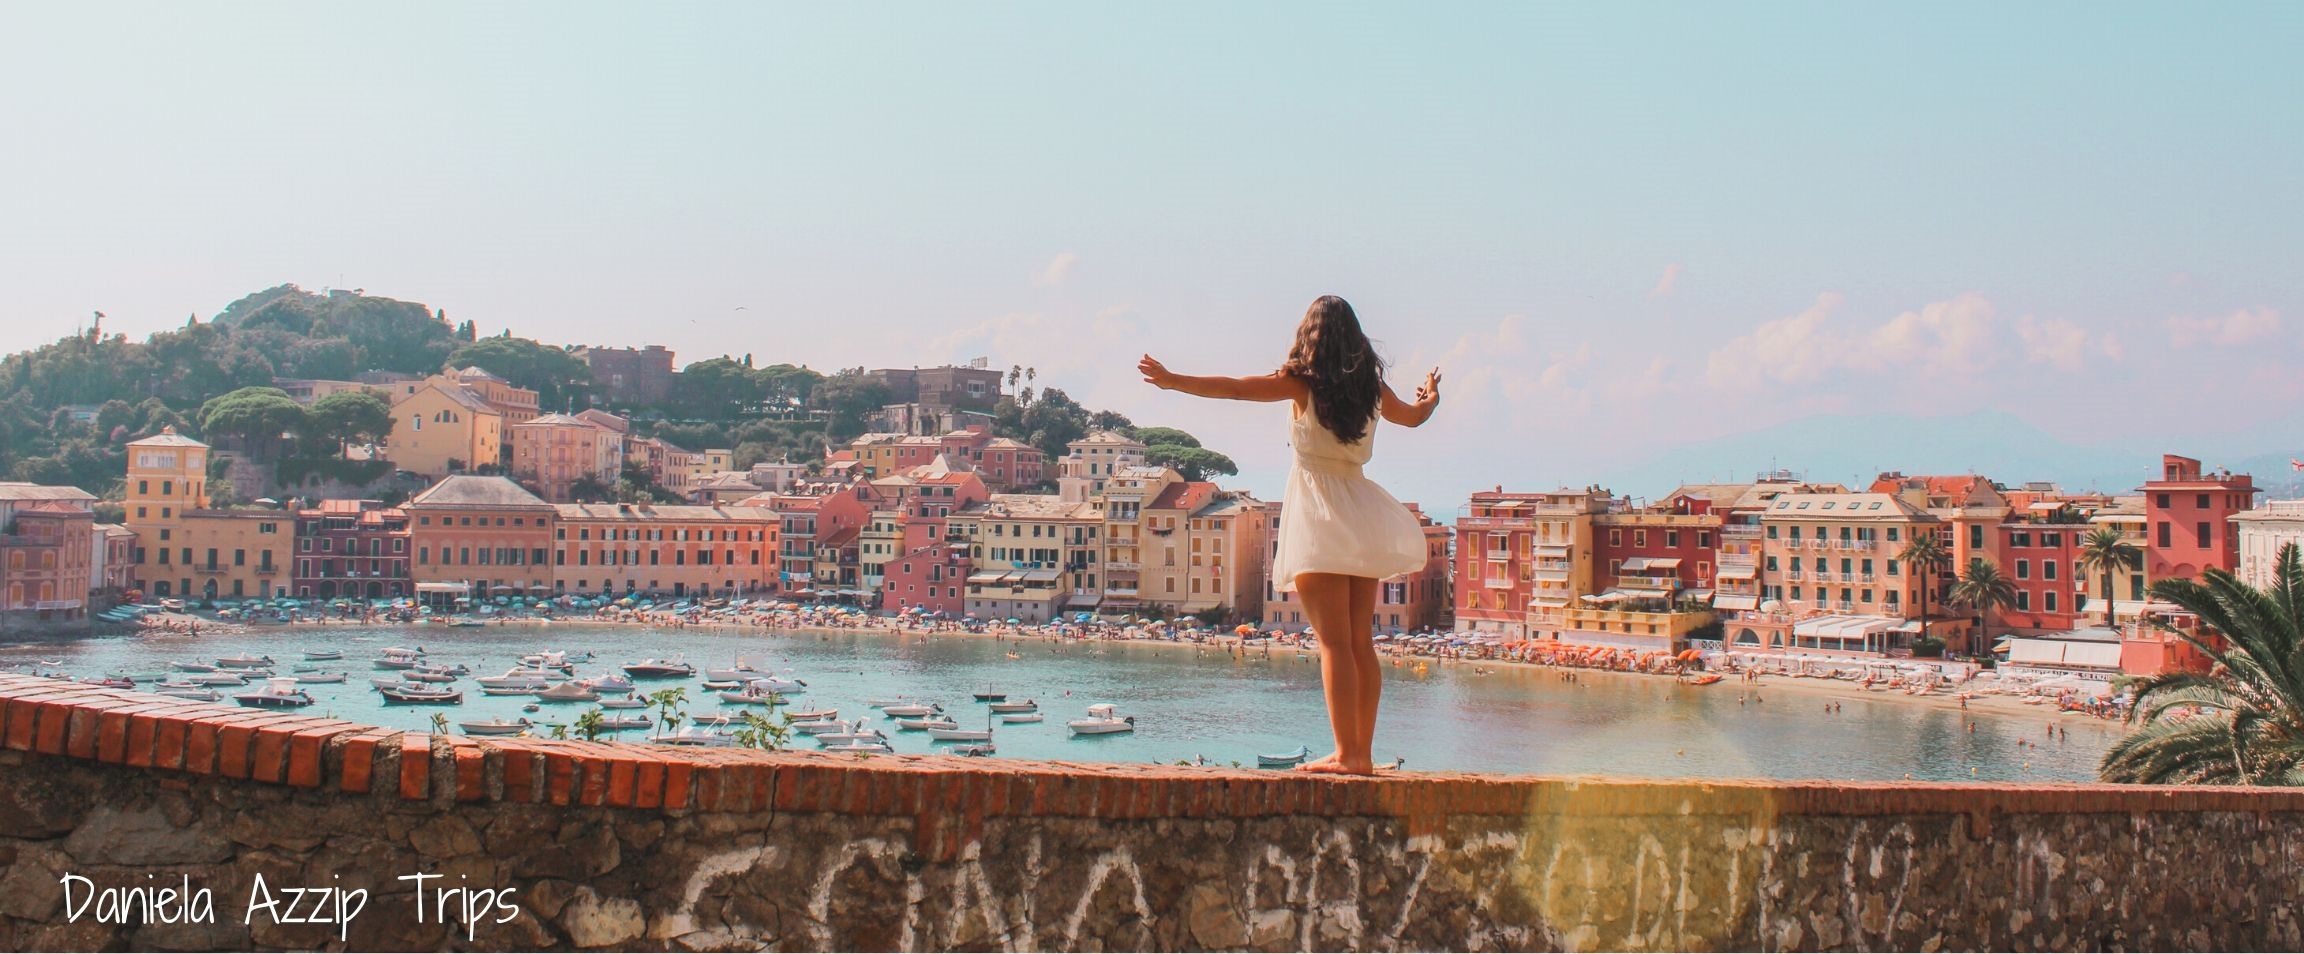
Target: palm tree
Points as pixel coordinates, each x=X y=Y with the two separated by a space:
x=2241 y=722
x=1925 y=558
x=1982 y=588
x=2106 y=551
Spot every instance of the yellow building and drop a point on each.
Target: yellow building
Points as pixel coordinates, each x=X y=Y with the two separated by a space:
x=664 y=549
x=440 y=429
x=185 y=549
x=1226 y=544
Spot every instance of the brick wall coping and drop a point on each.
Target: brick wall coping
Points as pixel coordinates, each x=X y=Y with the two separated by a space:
x=182 y=738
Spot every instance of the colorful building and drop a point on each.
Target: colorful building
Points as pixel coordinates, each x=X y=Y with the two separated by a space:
x=558 y=453
x=1121 y=502
x=440 y=429
x=629 y=377
x=49 y=549
x=2262 y=532
x=186 y=549
x=2188 y=513
x=1226 y=539
x=1523 y=558
x=666 y=550
x=1835 y=576
x=355 y=549
x=478 y=537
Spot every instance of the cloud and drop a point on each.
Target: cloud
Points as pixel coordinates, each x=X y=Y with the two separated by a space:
x=1943 y=338
x=1059 y=268
x=1792 y=350
x=1665 y=284
x=2244 y=327
x=2056 y=342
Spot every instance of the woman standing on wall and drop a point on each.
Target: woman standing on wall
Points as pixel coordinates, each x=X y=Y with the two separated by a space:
x=1340 y=533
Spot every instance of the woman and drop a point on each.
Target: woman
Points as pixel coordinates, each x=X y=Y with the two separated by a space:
x=1339 y=533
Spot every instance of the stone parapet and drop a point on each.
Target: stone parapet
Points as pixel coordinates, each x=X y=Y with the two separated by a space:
x=641 y=846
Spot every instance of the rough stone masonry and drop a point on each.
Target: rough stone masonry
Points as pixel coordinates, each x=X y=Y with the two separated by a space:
x=597 y=845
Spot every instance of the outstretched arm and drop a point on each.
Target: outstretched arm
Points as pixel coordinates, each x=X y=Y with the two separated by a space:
x=1263 y=387
x=1414 y=413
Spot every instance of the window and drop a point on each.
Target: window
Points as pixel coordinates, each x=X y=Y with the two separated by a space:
x=2048 y=571
x=1891 y=534
x=2050 y=601
x=2024 y=600
x=2023 y=569
x=2165 y=539
x=2162 y=500
x=1771 y=531
x=1976 y=536
x=1615 y=538
x=2019 y=539
x=2202 y=503
x=2205 y=532
x=1640 y=538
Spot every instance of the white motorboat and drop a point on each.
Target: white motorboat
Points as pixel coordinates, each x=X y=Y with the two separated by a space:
x=1102 y=719
x=414 y=694
x=323 y=655
x=427 y=675
x=1024 y=706
x=198 y=695
x=749 y=697
x=317 y=678
x=495 y=726
x=530 y=679
x=978 y=749
x=739 y=674
x=710 y=718
x=885 y=703
x=811 y=715
x=507 y=691
x=660 y=669
x=219 y=679
x=912 y=710
x=624 y=702
x=991 y=695
x=397 y=658
x=549 y=659
x=818 y=726
x=860 y=734
x=1015 y=718
x=957 y=734
x=569 y=692
x=191 y=667
x=243 y=662
x=609 y=683
x=722 y=685
x=278 y=693
x=775 y=684
x=697 y=736
x=931 y=722
x=871 y=748
x=618 y=723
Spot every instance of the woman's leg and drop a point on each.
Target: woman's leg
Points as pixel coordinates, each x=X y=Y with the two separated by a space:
x=1327 y=601
x=1370 y=684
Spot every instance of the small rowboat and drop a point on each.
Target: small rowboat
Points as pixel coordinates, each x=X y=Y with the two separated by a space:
x=1288 y=760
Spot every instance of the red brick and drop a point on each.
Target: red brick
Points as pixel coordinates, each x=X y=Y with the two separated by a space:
x=304 y=755
x=677 y=774
x=233 y=742
x=415 y=767
x=623 y=776
x=648 y=787
x=560 y=777
x=519 y=772
x=268 y=754
x=471 y=772
x=359 y=763
x=55 y=720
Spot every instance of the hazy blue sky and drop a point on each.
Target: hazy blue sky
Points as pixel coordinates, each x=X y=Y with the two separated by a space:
x=1619 y=227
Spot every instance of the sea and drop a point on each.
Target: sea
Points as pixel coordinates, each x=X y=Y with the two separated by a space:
x=1195 y=702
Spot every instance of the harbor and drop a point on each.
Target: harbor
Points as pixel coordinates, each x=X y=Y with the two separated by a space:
x=1214 y=702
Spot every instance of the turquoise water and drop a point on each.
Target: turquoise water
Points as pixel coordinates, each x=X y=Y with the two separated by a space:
x=1191 y=701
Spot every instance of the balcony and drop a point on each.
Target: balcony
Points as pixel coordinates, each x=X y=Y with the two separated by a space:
x=1736 y=531
x=1796 y=575
x=1496 y=554
x=1125 y=566
x=1500 y=583
x=1867 y=577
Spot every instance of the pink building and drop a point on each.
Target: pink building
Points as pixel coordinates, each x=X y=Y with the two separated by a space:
x=556 y=453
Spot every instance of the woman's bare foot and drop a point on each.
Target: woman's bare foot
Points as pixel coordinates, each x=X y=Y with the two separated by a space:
x=1325 y=763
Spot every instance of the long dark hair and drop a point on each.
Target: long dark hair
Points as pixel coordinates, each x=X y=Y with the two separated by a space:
x=1337 y=361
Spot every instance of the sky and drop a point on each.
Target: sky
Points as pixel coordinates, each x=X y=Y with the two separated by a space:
x=1621 y=230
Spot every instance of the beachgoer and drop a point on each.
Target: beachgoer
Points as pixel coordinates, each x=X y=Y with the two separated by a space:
x=1340 y=532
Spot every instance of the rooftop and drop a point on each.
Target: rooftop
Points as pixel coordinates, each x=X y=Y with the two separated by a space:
x=471 y=490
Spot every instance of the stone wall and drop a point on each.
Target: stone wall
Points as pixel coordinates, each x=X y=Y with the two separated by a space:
x=633 y=846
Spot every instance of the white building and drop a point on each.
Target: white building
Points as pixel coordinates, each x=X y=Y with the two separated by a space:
x=2263 y=531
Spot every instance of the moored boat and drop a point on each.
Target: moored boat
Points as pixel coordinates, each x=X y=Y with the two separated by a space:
x=660 y=669
x=278 y=693
x=618 y=723
x=569 y=692
x=1013 y=718
x=624 y=702
x=1024 y=706
x=912 y=710
x=318 y=678
x=1103 y=719
x=496 y=726
x=1287 y=760
x=957 y=734
x=323 y=655
x=421 y=695
x=931 y=722
x=198 y=695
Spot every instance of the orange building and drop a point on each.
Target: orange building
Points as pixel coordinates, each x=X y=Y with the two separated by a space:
x=1523 y=558
x=478 y=537
x=673 y=550
x=184 y=548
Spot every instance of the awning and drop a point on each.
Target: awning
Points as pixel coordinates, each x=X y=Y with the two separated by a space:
x=1664 y=563
x=444 y=588
x=1634 y=565
x=1701 y=596
x=1551 y=601
x=2069 y=653
x=1907 y=626
x=1734 y=601
x=1738 y=572
x=1842 y=628
x=1551 y=551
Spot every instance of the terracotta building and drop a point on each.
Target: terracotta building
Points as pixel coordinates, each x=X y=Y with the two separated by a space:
x=48 y=554
x=667 y=550
x=477 y=537
x=1409 y=603
x=1523 y=558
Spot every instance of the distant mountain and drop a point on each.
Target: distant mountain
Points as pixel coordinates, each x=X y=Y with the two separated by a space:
x=1852 y=449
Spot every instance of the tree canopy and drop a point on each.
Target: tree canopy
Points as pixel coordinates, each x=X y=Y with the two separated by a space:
x=562 y=381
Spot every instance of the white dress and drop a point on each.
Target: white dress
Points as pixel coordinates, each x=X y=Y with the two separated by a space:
x=1335 y=519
